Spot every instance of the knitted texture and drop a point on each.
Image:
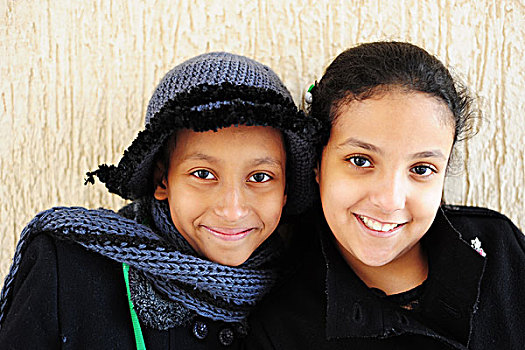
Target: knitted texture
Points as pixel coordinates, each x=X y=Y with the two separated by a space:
x=188 y=284
x=214 y=68
x=210 y=92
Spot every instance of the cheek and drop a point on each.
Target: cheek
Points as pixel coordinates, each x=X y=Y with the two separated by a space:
x=187 y=203
x=335 y=181
x=269 y=207
x=180 y=211
x=337 y=196
x=425 y=203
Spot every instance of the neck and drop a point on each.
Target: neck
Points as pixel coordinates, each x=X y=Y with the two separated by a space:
x=404 y=273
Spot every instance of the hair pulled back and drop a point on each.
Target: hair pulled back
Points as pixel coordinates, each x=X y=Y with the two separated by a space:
x=368 y=69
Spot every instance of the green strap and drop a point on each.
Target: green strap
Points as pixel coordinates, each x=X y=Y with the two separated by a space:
x=139 y=339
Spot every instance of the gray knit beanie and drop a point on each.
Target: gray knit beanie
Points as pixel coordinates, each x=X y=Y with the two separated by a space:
x=209 y=92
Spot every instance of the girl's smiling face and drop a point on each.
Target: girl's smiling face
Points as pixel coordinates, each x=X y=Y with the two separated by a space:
x=381 y=174
x=226 y=189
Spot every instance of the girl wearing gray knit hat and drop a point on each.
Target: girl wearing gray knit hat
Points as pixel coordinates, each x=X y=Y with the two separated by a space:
x=223 y=154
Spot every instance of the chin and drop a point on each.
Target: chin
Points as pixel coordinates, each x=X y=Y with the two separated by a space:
x=234 y=260
x=375 y=260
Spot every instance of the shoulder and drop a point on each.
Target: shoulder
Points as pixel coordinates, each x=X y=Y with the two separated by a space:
x=65 y=293
x=54 y=286
x=57 y=240
x=49 y=262
x=480 y=218
x=45 y=250
x=45 y=259
x=489 y=226
x=473 y=212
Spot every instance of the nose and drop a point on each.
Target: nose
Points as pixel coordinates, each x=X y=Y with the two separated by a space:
x=389 y=193
x=231 y=204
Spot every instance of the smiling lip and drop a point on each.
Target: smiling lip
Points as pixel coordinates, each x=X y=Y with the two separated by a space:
x=379 y=229
x=229 y=234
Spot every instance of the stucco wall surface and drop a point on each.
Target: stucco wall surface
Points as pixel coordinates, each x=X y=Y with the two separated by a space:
x=76 y=77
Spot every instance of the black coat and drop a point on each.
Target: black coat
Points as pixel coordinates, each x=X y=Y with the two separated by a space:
x=468 y=301
x=66 y=297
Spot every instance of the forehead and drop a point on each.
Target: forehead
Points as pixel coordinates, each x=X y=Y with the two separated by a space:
x=234 y=131
x=396 y=118
x=233 y=140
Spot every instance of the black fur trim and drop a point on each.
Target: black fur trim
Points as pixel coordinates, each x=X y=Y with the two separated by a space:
x=206 y=93
x=250 y=101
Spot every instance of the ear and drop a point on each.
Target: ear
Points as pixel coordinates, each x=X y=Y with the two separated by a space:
x=285 y=193
x=316 y=171
x=159 y=178
x=161 y=191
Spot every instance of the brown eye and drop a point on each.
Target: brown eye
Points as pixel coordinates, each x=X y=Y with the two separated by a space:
x=260 y=177
x=360 y=162
x=203 y=174
x=422 y=170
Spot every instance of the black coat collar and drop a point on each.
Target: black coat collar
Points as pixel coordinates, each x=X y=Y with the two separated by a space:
x=446 y=306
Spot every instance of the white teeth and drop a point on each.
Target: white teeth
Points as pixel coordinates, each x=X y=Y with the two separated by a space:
x=377 y=226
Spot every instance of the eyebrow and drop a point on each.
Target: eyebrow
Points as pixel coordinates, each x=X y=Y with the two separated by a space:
x=201 y=156
x=361 y=144
x=351 y=141
x=429 y=154
x=267 y=161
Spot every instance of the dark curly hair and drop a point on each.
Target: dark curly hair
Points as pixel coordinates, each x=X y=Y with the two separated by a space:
x=368 y=69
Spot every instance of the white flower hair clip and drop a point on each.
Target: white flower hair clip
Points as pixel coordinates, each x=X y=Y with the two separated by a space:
x=476 y=244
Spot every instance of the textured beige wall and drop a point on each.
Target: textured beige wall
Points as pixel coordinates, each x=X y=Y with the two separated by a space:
x=76 y=77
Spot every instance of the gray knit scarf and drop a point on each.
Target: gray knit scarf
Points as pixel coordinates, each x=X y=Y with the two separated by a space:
x=169 y=283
